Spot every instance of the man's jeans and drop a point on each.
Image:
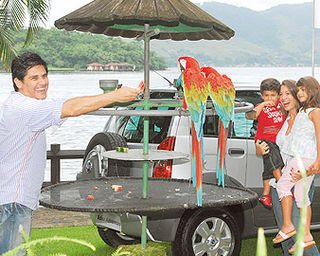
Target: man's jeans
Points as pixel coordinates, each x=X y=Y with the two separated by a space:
x=276 y=206
x=11 y=217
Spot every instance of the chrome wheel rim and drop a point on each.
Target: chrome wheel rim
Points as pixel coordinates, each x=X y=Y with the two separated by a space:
x=95 y=161
x=212 y=237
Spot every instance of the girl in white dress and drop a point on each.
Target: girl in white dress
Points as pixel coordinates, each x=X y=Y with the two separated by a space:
x=305 y=142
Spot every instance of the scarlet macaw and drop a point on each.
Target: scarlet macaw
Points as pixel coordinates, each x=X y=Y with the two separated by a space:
x=198 y=84
x=221 y=91
x=195 y=97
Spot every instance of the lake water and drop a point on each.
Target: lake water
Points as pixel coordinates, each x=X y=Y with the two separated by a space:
x=75 y=133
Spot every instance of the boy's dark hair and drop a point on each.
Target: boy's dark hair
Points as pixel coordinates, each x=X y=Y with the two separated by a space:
x=270 y=84
x=312 y=88
x=22 y=63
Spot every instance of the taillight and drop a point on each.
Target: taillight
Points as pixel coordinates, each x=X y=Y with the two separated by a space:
x=163 y=168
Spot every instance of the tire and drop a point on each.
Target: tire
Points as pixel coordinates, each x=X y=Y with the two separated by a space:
x=207 y=232
x=114 y=238
x=94 y=166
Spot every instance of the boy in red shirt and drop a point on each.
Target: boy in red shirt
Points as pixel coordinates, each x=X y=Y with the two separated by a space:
x=270 y=117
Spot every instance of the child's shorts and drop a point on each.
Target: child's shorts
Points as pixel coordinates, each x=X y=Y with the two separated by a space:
x=272 y=160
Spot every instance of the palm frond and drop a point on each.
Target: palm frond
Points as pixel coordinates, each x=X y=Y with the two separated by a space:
x=3 y=12
x=38 y=13
x=15 y=11
x=7 y=50
x=13 y=16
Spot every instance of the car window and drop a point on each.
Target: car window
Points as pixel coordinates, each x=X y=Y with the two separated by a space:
x=132 y=123
x=131 y=127
x=241 y=127
x=253 y=97
x=210 y=127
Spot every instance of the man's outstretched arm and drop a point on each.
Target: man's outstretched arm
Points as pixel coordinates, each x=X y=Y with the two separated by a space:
x=84 y=104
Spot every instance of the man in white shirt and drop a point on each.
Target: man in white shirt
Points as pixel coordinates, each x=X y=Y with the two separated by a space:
x=24 y=117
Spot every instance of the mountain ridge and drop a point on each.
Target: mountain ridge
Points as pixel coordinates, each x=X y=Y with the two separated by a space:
x=279 y=36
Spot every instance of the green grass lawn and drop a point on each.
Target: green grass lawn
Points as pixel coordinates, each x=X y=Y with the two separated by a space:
x=86 y=233
x=89 y=234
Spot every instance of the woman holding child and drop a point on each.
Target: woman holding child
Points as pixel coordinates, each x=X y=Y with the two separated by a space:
x=302 y=125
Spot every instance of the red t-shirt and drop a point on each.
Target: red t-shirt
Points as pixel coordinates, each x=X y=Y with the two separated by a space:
x=270 y=121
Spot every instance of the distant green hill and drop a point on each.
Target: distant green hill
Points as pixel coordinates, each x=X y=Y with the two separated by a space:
x=62 y=49
x=280 y=36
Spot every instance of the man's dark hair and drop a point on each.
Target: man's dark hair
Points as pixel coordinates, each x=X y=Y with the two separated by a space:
x=22 y=63
x=270 y=84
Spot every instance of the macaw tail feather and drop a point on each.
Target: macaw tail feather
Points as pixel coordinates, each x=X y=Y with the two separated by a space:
x=193 y=155
x=222 y=146
x=199 y=195
x=197 y=160
x=184 y=104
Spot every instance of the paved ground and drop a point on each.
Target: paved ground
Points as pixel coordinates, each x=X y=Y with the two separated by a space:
x=45 y=217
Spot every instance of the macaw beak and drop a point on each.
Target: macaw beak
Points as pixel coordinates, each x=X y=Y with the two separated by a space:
x=182 y=68
x=182 y=64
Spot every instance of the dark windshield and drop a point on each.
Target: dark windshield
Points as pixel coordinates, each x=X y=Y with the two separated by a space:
x=131 y=127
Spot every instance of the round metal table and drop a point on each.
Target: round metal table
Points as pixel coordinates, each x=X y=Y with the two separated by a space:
x=165 y=195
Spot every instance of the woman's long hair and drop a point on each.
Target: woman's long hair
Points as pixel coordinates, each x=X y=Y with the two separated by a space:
x=291 y=86
x=312 y=88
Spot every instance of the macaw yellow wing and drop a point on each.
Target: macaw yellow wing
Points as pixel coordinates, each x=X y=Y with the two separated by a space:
x=221 y=91
x=195 y=96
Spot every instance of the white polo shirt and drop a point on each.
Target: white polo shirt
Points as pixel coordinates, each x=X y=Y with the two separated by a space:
x=23 y=121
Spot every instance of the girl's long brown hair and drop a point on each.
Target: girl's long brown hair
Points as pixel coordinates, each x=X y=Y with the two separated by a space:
x=312 y=88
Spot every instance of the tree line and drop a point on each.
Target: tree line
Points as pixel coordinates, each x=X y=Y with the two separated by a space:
x=64 y=49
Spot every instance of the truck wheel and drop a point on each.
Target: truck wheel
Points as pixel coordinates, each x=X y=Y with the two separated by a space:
x=114 y=238
x=207 y=232
x=94 y=165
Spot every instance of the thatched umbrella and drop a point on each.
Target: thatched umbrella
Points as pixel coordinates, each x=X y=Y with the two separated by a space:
x=147 y=19
x=150 y=19
x=176 y=19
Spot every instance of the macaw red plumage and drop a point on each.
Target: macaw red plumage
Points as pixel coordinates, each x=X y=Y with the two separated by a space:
x=199 y=83
x=221 y=91
x=195 y=97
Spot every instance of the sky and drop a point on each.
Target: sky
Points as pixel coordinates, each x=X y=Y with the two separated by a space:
x=59 y=8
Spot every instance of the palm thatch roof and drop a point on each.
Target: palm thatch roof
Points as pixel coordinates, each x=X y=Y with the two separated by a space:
x=175 y=19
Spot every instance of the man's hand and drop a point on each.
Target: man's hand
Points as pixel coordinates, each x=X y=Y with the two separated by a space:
x=81 y=105
x=141 y=86
x=125 y=94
